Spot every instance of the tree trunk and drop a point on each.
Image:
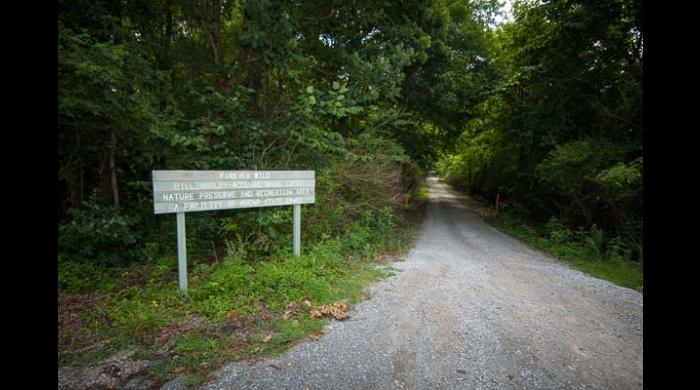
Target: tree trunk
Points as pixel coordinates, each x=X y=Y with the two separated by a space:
x=209 y=19
x=73 y=191
x=113 y=169
x=169 y=24
x=165 y=54
x=215 y=32
x=82 y=185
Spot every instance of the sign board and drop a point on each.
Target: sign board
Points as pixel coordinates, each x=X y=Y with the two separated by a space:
x=180 y=192
x=187 y=191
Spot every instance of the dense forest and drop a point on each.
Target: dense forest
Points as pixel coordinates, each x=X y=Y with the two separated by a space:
x=349 y=87
x=542 y=111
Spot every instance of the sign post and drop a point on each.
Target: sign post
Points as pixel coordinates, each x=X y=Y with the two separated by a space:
x=182 y=251
x=297 y=229
x=180 y=192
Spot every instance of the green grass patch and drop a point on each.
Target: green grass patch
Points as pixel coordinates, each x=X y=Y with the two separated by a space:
x=286 y=331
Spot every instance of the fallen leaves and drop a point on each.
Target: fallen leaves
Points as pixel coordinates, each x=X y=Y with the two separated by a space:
x=266 y=338
x=337 y=310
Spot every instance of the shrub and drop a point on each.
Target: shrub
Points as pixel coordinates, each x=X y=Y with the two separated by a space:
x=374 y=174
x=625 y=180
x=593 y=241
x=557 y=232
x=97 y=233
x=570 y=165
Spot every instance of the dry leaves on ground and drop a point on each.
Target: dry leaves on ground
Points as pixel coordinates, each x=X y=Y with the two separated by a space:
x=337 y=310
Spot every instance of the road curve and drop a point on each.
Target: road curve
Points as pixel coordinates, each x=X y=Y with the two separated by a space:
x=469 y=308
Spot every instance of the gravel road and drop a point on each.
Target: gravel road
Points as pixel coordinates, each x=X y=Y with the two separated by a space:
x=469 y=308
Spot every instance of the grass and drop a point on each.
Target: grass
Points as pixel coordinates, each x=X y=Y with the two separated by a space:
x=579 y=248
x=422 y=192
x=580 y=254
x=235 y=309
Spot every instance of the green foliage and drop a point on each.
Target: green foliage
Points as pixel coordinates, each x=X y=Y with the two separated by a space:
x=557 y=232
x=374 y=174
x=101 y=234
x=81 y=277
x=284 y=278
x=137 y=317
x=575 y=164
x=271 y=78
x=625 y=180
x=560 y=134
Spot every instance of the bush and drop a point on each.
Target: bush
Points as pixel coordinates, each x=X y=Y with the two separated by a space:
x=624 y=180
x=557 y=232
x=618 y=249
x=105 y=235
x=375 y=173
x=592 y=241
x=574 y=165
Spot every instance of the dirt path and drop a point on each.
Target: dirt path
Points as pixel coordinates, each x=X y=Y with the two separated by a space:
x=469 y=308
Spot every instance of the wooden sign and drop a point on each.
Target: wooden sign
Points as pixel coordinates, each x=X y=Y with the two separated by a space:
x=180 y=192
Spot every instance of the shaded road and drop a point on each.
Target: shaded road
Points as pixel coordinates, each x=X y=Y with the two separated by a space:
x=469 y=308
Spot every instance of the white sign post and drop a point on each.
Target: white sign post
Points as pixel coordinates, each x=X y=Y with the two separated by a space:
x=180 y=192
